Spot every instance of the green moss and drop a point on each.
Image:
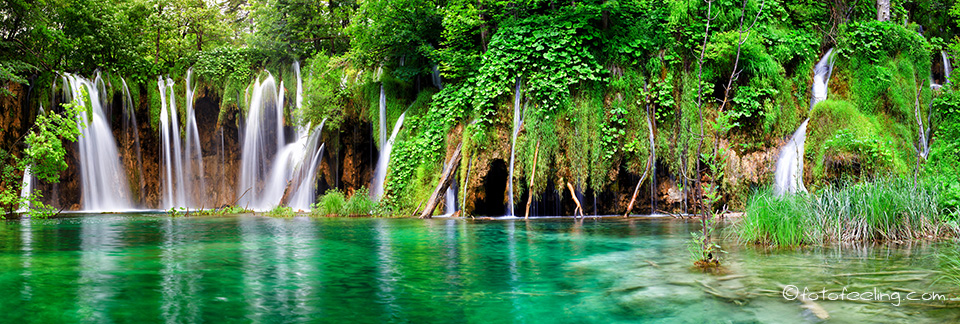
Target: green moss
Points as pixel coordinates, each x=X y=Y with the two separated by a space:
x=836 y=128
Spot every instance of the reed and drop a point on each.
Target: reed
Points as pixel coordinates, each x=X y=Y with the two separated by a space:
x=883 y=210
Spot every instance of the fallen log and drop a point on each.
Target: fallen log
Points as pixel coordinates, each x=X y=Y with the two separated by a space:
x=445 y=178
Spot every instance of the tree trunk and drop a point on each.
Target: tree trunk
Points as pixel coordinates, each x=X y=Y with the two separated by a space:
x=573 y=194
x=637 y=190
x=883 y=10
x=445 y=178
x=532 y=176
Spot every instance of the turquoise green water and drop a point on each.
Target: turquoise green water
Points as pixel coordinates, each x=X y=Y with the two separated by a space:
x=153 y=268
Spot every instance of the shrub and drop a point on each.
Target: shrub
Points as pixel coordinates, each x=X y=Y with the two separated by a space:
x=359 y=204
x=281 y=211
x=331 y=203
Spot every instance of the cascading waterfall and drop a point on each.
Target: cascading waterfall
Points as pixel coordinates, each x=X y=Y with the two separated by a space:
x=380 y=174
x=947 y=68
x=291 y=176
x=130 y=127
x=174 y=184
x=27 y=188
x=653 y=168
x=255 y=151
x=383 y=118
x=450 y=205
x=193 y=163
x=788 y=177
x=517 y=121
x=103 y=185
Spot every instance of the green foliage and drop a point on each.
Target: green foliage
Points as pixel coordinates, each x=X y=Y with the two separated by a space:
x=873 y=155
x=281 y=211
x=45 y=151
x=778 y=220
x=44 y=157
x=300 y=28
x=386 y=32
x=874 y=41
x=227 y=65
x=326 y=91
x=702 y=250
x=225 y=210
x=359 y=203
x=846 y=135
x=949 y=257
x=177 y=212
x=331 y=203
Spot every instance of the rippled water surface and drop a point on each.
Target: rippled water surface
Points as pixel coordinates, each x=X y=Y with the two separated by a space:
x=153 y=268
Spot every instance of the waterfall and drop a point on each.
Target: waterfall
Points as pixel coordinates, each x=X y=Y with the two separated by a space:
x=517 y=121
x=450 y=205
x=172 y=155
x=130 y=126
x=193 y=155
x=653 y=167
x=255 y=150
x=435 y=77
x=103 y=185
x=26 y=190
x=383 y=118
x=380 y=174
x=788 y=177
x=947 y=69
x=270 y=174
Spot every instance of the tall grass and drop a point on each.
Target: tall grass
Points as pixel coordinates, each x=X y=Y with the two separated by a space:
x=950 y=263
x=888 y=209
x=334 y=202
x=359 y=204
x=331 y=203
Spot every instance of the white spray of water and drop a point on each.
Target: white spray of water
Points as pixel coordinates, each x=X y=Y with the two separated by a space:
x=103 y=183
x=174 y=184
x=947 y=68
x=271 y=168
x=196 y=185
x=788 y=177
x=517 y=121
x=380 y=174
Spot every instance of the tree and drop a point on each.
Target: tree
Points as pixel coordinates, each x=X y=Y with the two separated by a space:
x=44 y=156
x=883 y=10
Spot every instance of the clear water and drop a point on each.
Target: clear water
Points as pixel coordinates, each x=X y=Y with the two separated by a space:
x=153 y=268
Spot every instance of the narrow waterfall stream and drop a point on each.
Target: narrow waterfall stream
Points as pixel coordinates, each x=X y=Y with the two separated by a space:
x=788 y=177
x=196 y=188
x=517 y=122
x=131 y=135
x=380 y=174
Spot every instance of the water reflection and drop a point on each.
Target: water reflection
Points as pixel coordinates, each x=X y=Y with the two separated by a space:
x=26 y=248
x=180 y=283
x=387 y=273
x=99 y=239
x=254 y=269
